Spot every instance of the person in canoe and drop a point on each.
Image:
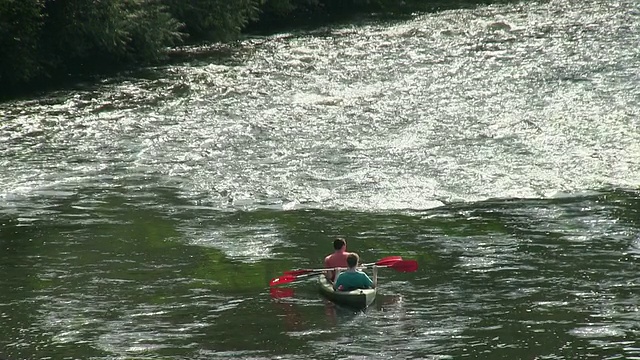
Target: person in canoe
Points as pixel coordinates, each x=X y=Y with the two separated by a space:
x=338 y=259
x=352 y=278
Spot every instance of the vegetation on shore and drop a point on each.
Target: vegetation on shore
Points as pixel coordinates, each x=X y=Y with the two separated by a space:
x=42 y=41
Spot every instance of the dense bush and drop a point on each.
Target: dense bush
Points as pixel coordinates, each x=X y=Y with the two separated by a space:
x=21 y=23
x=40 y=39
x=79 y=33
x=217 y=20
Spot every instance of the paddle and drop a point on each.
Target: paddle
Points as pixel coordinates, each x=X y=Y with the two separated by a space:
x=285 y=279
x=382 y=262
x=398 y=265
x=404 y=266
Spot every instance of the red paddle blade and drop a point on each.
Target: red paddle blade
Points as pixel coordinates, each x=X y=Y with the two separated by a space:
x=389 y=260
x=405 y=266
x=284 y=279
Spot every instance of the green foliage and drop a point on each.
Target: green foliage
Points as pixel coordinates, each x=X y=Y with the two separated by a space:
x=80 y=32
x=76 y=28
x=150 y=28
x=20 y=23
x=214 y=19
x=280 y=7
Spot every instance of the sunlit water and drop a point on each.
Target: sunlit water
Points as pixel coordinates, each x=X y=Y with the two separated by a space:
x=500 y=146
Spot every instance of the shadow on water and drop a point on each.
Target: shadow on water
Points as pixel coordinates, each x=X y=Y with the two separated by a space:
x=339 y=314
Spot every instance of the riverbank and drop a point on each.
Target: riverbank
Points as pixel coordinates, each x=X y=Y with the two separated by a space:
x=52 y=44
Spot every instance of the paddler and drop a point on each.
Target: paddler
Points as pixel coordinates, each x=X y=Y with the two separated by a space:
x=338 y=259
x=352 y=278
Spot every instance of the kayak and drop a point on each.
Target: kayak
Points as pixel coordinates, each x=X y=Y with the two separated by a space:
x=360 y=298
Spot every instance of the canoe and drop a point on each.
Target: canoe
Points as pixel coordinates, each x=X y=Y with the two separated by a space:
x=360 y=298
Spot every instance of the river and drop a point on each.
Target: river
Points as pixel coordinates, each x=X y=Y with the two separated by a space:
x=142 y=217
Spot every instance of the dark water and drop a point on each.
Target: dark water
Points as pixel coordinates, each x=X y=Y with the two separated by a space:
x=497 y=279
x=499 y=146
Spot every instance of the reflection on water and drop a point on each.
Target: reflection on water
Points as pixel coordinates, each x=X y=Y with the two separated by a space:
x=280 y=293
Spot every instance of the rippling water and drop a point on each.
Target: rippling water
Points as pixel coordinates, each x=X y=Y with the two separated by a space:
x=500 y=146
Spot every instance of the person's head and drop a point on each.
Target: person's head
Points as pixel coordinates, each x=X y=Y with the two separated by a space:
x=352 y=260
x=339 y=243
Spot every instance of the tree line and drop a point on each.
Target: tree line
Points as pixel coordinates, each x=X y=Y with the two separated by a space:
x=41 y=40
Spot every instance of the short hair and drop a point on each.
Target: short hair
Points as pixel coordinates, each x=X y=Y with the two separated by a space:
x=338 y=243
x=353 y=259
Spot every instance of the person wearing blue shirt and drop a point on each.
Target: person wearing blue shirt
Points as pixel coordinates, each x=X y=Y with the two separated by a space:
x=352 y=278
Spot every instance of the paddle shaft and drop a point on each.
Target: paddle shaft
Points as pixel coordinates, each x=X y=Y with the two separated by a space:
x=389 y=260
x=291 y=276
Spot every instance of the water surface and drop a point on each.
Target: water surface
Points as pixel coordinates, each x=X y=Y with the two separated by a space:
x=142 y=218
